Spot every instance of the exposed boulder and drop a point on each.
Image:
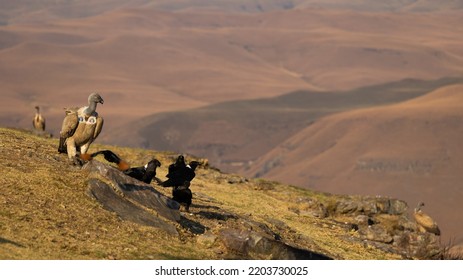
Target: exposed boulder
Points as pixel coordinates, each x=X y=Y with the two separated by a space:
x=376 y=233
x=125 y=209
x=370 y=206
x=245 y=244
x=131 y=199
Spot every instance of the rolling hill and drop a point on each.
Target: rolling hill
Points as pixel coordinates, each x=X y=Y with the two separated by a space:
x=51 y=209
x=234 y=134
x=295 y=84
x=410 y=150
x=145 y=61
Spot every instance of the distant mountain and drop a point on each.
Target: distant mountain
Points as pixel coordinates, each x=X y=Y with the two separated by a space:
x=234 y=134
x=39 y=10
x=145 y=61
x=411 y=150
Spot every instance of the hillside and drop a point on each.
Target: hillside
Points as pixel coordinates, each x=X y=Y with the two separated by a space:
x=234 y=134
x=410 y=150
x=145 y=61
x=48 y=212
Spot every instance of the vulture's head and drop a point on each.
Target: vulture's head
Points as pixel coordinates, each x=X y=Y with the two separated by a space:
x=418 y=207
x=95 y=98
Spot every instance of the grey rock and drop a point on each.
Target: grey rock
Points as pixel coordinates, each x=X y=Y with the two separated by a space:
x=125 y=209
x=131 y=199
x=244 y=244
x=376 y=233
x=136 y=191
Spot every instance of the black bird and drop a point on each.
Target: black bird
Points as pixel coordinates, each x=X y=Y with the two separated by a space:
x=190 y=172
x=173 y=172
x=142 y=173
x=180 y=176
x=183 y=195
x=179 y=173
x=108 y=155
x=177 y=165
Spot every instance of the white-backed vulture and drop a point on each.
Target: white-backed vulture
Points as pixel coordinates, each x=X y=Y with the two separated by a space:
x=425 y=223
x=81 y=126
x=38 y=122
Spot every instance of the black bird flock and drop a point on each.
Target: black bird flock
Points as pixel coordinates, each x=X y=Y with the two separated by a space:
x=179 y=174
x=179 y=177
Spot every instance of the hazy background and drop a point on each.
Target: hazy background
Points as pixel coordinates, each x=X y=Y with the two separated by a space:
x=355 y=97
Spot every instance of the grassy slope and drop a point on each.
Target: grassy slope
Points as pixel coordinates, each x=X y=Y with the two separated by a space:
x=413 y=151
x=45 y=212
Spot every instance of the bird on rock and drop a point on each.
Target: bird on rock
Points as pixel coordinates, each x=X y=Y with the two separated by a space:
x=144 y=173
x=81 y=126
x=425 y=222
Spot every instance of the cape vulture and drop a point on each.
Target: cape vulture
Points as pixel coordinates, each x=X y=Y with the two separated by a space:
x=38 y=122
x=425 y=222
x=81 y=126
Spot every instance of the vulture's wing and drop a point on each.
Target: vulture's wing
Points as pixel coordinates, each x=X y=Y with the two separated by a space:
x=99 y=127
x=70 y=123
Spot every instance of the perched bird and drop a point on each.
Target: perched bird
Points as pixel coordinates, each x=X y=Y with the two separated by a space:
x=177 y=165
x=38 y=122
x=109 y=156
x=179 y=172
x=143 y=173
x=81 y=126
x=425 y=222
x=183 y=195
x=179 y=177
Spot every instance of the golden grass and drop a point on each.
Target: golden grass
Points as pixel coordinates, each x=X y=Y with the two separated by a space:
x=45 y=212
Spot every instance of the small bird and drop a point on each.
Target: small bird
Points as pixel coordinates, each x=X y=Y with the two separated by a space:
x=144 y=173
x=179 y=172
x=183 y=195
x=81 y=126
x=177 y=165
x=179 y=177
x=109 y=156
x=38 y=122
x=425 y=222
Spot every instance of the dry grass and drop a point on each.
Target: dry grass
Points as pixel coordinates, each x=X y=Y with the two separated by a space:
x=45 y=211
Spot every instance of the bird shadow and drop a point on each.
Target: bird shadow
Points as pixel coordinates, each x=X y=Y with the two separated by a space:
x=192 y=226
x=206 y=206
x=6 y=241
x=216 y=216
x=134 y=187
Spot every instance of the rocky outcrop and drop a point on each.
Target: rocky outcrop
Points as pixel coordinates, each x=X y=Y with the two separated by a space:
x=379 y=222
x=253 y=245
x=135 y=201
x=126 y=209
x=131 y=199
x=383 y=223
x=370 y=206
